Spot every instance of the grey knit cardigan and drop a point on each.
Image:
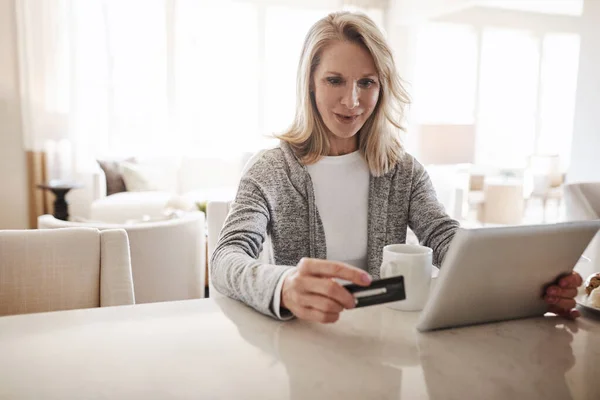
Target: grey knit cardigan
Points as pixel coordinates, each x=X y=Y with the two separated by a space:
x=276 y=198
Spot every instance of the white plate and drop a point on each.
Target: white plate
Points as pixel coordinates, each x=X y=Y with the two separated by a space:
x=581 y=302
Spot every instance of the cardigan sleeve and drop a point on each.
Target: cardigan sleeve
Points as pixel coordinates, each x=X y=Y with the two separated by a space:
x=427 y=217
x=235 y=269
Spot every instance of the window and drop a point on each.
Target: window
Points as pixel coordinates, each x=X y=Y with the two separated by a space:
x=117 y=84
x=151 y=77
x=507 y=97
x=446 y=74
x=285 y=31
x=138 y=73
x=521 y=98
x=216 y=72
x=560 y=64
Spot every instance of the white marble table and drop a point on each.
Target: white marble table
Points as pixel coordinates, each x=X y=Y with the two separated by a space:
x=206 y=349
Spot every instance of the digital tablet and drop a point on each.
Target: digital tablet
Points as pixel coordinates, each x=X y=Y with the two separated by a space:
x=496 y=274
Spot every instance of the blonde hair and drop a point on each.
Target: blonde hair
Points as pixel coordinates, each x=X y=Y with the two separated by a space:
x=379 y=139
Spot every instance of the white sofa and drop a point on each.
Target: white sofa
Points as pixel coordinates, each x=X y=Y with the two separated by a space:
x=181 y=183
x=168 y=258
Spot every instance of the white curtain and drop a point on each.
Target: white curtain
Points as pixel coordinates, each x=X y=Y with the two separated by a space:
x=43 y=46
x=160 y=77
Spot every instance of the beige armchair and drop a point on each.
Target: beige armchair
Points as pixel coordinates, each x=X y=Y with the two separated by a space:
x=65 y=269
x=582 y=201
x=168 y=257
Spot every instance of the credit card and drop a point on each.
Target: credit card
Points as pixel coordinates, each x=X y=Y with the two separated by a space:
x=378 y=292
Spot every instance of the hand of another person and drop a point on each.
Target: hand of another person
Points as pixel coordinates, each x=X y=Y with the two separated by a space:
x=311 y=293
x=560 y=295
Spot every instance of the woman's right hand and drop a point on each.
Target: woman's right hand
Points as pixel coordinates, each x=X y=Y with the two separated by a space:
x=311 y=293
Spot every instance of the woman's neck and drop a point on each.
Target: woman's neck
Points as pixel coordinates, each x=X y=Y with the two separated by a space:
x=340 y=147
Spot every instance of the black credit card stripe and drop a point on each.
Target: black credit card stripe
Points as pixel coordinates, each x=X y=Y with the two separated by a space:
x=380 y=291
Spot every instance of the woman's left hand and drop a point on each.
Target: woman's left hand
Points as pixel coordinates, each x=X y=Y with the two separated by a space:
x=560 y=295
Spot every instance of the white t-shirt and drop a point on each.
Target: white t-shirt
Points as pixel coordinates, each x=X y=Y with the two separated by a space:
x=341 y=187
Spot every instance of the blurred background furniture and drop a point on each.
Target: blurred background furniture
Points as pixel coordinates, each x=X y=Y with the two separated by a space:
x=451 y=184
x=503 y=203
x=475 y=199
x=447 y=151
x=60 y=190
x=63 y=269
x=547 y=179
x=151 y=183
x=476 y=182
x=446 y=144
x=582 y=201
x=168 y=256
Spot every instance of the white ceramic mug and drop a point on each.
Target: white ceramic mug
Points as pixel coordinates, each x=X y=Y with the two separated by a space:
x=414 y=262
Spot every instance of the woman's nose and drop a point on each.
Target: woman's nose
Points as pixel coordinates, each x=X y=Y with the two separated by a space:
x=350 y=98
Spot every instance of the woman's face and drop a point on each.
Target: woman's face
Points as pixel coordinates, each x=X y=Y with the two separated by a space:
x=346 y=88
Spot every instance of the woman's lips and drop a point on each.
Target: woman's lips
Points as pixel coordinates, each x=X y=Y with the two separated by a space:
x=346 y=119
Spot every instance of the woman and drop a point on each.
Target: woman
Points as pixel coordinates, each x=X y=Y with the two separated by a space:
x=338 y=188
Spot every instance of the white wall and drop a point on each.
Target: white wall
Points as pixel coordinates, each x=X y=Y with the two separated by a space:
x=585 y=153
x=13 y=177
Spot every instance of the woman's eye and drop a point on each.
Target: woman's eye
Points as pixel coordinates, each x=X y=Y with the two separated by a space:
x=334 y=81
x=366 y=83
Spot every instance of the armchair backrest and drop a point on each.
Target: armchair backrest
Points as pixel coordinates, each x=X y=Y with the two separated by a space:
x=582 y=200
x=168 y=258
x=63 y=269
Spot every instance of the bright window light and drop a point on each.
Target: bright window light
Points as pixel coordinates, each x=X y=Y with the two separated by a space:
x=446 y=74
x=507 y=97
x=216 y=74
x=285 y=31
x=560 y=63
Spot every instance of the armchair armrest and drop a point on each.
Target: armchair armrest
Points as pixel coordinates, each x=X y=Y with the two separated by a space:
x=98 y=184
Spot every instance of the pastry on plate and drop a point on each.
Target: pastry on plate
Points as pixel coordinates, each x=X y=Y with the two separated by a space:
x=592 y=282
x=592 y=289
x=593 y=299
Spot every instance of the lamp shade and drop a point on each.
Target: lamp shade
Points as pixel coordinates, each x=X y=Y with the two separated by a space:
x=446 y=144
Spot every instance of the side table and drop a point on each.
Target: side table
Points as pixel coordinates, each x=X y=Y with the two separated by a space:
x=60 y=190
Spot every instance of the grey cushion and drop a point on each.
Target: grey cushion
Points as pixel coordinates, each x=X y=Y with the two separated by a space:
x=113 y=172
